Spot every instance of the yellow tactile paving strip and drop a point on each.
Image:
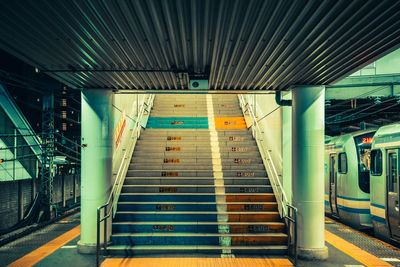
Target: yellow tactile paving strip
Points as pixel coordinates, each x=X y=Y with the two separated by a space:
x=45 y=250
x=354 y=251
x=195 y=262
x=230 y=123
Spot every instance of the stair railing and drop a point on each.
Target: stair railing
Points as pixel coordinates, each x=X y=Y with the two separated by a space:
x=286 y=211
x=291 y=221
x=106 y=212
x=258 y=135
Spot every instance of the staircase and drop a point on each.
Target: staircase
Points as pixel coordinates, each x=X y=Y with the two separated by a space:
x=196 y=184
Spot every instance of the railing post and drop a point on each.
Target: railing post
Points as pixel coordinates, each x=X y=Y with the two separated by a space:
x=98 y=238
x=105 y=231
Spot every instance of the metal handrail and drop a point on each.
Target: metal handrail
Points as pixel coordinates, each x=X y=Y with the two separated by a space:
x=109 y=208
x=266 y=157
x=291 y=222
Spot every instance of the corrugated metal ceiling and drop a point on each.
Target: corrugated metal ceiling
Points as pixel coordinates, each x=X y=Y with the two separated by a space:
x=132 y=44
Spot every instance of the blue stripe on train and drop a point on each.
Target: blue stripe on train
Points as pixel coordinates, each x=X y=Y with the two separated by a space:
x=354 y=210
x=355 y=199
x=378 y=206
x=378 y=219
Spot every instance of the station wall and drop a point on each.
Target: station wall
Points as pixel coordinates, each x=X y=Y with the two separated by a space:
x=16 y=197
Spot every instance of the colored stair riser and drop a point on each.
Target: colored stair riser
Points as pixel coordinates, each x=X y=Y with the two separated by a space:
x=164 y=217
x=157 y=228
x=274 y=217
x=165 y=240
x=277 y=228
x=196 y=240
x=252 y=207
x=166 y=198
x=250 y=198
x=166 y=207
x=248 y=181
x=257 y=241
x=193 y=189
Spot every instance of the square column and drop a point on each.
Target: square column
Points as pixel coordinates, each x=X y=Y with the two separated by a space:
x=308 y=126
x=96 y=161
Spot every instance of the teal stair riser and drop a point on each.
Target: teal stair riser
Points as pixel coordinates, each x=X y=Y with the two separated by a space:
x=167 y=198
x=172 y=207
x=169 y=228
x=164 y=216
x=176 y=240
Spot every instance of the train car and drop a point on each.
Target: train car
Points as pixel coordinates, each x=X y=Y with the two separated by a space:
x=347 y=187
x=385 y=182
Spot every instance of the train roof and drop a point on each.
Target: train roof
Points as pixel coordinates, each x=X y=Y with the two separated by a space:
x=387 y=136
x=352 y=134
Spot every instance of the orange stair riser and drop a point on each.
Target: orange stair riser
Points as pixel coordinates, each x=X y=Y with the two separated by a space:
x=254 y=218
x=252 y=207
x=255 y=240
x=250 y=198
x=257 y=229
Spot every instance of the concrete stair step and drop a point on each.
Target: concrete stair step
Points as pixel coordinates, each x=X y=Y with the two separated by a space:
x=129 y=250
x=198 y=227
x=197 y=143
x=194 y=149
x=191 y=166
x=242 y=161
x=198 y=216
x=166 y=238
x=195 y=181
x=198 y=155
x=195 y=173
x=195 y=206
x=196 y=197
x=162 y=189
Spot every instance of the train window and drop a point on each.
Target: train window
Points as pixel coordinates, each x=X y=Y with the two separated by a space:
x=342 y=164
x=363 y=146
x=376 y=162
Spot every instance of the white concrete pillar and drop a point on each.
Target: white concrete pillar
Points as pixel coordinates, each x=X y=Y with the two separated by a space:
x=308 y=169
x=287 y=148
x=96 y=162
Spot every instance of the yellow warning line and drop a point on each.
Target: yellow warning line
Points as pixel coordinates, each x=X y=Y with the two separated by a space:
x=195 y=262
x=45 y=250
x=328 y=220
x=354 y=251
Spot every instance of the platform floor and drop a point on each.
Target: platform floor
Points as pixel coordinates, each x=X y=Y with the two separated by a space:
x=55 y=245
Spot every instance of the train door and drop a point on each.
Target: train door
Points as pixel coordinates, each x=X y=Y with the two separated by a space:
x=333 y=183
x=392 y=175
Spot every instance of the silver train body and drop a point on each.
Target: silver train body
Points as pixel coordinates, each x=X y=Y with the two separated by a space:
x=347 y=187
x=385 y=185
